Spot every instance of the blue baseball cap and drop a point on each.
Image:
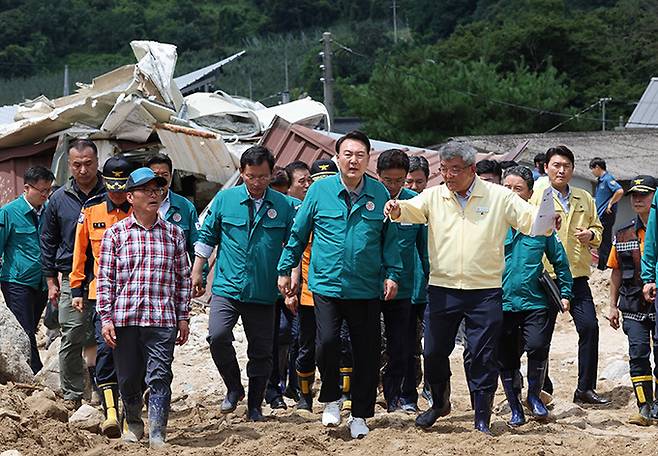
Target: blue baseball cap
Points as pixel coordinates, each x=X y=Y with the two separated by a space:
x=142 y=176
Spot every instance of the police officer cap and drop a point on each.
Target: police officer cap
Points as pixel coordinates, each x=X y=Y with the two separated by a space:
x=323 y=168
x=115 y=174
x=643 y=184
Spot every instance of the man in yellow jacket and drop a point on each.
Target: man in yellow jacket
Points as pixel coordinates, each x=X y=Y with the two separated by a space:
x=468 y=220
x=580 y=231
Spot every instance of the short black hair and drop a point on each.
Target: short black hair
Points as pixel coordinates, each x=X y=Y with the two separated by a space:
x=296 y=166
x=256 y=156
x=540 y=158
x=488 y=167
x=523 y=172
x=597 y=161
x=355 y=135
x=280 y=178
x=504 y=164
x=37 y=173
x=160 y=159
x=562 y=151
x=82 y=144
x=392 y=159
x=417 y=162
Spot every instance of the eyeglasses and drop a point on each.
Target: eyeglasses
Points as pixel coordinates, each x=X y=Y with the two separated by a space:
x=263 y=178
x=389 y=181
x=151 y=191
x=453 y=170
x=45 y=192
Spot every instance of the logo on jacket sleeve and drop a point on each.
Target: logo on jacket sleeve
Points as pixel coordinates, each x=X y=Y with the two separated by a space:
x=370 y=206
x=272 y=214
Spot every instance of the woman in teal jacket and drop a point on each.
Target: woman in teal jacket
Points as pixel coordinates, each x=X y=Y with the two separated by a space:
x=528 y=320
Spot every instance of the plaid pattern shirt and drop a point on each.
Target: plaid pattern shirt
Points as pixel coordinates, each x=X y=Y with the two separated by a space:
x=143 y=275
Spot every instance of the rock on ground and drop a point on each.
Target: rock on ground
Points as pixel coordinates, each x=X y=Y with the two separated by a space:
x=44 y=403
x=87 y=418
x=49 y=375
x=14 y=348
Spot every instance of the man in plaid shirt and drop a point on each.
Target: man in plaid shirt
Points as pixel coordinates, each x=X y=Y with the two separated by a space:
x=143 y=296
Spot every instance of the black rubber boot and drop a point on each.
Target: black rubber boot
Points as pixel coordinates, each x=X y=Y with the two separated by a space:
x=440 y=405
x=513 y=394
x=306 y=380
x=482 y=401
x=536 y=372
x=133 y=426
x=234 y=390
x=255 y=398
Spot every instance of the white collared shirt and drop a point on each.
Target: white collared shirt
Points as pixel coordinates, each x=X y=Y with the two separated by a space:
x=164 y=207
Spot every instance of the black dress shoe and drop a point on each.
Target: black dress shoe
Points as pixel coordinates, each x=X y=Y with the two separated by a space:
x=291 y=393
x=589 y=397
x=393 y=405
x=278 y=403
x=255 y=414
x=230 y=402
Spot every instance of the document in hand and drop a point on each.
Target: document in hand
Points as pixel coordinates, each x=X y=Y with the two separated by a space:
x=545 y=221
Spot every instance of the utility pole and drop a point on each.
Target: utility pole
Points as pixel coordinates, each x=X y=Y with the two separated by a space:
x=602 y=102
x=395 y=21
x=327 y=75
x=285 y=95
x=66 y=80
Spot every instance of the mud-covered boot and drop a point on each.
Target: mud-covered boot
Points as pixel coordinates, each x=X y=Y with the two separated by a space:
x=536 y=372
x=513 y=394
x=643 y=389
x=306 y=380
x=110 y=427
x=133 y=426
x=440 y=405
x=158 y=418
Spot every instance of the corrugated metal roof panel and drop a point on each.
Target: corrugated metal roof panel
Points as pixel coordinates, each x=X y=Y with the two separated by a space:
x=190 y=78
x=290 y=142
x=645 y=114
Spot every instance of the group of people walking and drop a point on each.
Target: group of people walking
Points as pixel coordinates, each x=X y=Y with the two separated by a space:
x=327 y=268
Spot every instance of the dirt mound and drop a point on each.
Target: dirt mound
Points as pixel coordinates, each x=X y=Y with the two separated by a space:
x=31 y=422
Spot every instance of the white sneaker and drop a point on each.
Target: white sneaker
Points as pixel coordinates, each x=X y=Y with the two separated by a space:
x=358 y=427
x=331 y=414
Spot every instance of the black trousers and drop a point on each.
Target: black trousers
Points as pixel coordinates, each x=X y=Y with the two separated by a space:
x=258 y=323
x=528 y=331
x=105 y=372
x=144 y=354
x=640 y=335
x=283 y=339
x=483 y=314
x=362 y=318
x=608 y=221
x=306 y=337
x=409 y=393
x=27 y=304
x=584 y=316
x=396 y=321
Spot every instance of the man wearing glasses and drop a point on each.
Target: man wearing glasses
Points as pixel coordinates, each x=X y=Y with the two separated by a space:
x=249 y=224
x=143 y=298
x=21 y=278
x=468 y=220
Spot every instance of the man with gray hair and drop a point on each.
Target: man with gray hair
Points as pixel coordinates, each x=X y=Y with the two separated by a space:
x=468 y=220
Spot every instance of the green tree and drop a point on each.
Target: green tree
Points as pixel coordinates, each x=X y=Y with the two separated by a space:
x=426 y=102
